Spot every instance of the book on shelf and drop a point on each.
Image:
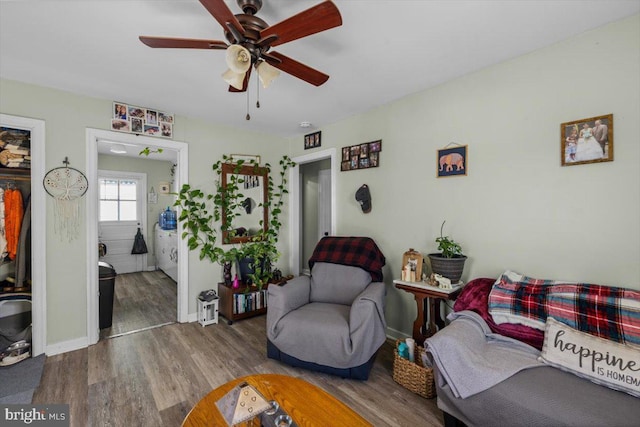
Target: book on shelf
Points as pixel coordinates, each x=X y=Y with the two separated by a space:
x=244 y=303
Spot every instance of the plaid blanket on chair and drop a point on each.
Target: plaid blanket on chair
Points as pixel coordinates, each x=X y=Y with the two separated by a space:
x=607 y=312
x=354 y=251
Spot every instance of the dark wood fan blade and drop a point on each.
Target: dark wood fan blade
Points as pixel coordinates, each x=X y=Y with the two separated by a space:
x=297 y=69
x=171 y=42
x=245 y=84
x=219 y=10
x=313 y=20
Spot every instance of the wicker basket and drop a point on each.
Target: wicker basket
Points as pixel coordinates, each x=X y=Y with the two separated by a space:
x=413 y=376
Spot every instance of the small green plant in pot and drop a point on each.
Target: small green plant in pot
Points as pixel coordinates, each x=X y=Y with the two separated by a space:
x=449 y=262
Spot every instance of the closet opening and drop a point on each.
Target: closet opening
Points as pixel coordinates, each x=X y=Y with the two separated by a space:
x=22 y=219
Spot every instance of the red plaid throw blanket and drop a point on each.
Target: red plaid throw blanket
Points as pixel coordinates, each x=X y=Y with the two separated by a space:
x=355 y=251
x=607 y=312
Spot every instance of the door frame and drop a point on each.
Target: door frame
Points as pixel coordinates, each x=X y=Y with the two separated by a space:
x=323 y=174
x=93 y=136
x=141 y=195
x=38 y=228
x=295 y=205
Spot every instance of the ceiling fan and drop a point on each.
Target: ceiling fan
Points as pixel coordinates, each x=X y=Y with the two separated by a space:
x=251 y=39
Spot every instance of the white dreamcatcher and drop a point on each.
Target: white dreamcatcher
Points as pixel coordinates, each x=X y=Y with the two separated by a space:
x=66 y=185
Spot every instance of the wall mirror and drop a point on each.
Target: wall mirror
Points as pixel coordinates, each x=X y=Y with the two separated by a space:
x=244 y=216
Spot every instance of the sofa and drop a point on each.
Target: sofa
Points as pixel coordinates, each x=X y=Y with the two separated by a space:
x=494 y=364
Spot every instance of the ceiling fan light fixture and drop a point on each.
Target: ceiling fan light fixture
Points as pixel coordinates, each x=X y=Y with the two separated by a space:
x=267 y=73
x=238 y=58
x=234 y=79
x=118 y=149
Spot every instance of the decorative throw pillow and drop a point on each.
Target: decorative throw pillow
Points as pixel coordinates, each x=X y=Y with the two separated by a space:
x=601 y=361
x=475 y=295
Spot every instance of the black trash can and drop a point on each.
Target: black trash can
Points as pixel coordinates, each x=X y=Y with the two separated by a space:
x=107 y=283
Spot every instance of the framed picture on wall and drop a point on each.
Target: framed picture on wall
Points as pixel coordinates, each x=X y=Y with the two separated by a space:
x=164 y=187
x=312 y=140
x=452 y=161
x=346 y=154
x=587 y=141
x=361 y=156
x=141 y=121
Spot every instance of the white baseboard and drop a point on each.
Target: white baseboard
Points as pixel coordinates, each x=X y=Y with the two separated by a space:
x=65 y=346
x=192 y=317
x=396 y=335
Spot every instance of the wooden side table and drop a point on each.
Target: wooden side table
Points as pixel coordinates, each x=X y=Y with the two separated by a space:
x=435 y=295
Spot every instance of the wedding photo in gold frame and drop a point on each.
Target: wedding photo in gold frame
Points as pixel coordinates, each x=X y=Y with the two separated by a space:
x=587 y=141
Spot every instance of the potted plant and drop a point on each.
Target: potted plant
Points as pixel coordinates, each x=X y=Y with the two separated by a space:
x=206 y=215
x=450 y=261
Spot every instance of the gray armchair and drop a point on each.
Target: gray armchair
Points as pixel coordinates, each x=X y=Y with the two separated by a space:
x=331 y=322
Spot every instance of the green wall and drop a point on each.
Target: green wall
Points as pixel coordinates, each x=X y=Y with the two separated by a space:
x=517 y=208
x=67 y=116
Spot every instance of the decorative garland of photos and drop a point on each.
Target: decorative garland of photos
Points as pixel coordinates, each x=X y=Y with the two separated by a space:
x=361 y=156
x=141 y=121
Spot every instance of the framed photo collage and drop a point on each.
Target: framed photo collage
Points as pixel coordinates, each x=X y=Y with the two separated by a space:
x=141 y=121
x=361 y=156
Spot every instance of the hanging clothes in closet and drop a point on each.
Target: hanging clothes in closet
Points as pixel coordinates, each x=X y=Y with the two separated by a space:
x=13 y=213
x=3 y=239
x=23 y=254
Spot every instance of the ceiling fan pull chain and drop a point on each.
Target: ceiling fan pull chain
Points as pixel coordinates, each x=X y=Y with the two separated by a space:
x=258 y=92
x=248 y=117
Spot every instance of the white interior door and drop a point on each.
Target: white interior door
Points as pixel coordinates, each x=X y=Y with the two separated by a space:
x=122 y=210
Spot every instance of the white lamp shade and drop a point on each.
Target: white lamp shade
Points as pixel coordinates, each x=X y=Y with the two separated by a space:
x=238 y=58
x=234 y=79
x=267 y=73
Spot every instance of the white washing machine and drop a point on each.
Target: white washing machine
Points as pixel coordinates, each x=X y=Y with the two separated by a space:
x=166 y=251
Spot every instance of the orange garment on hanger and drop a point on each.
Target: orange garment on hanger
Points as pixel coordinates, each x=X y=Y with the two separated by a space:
x=13 y=213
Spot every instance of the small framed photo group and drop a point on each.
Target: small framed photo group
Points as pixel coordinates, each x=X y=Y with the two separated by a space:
x=312 y=140
x=141 y=121
x=361 y=156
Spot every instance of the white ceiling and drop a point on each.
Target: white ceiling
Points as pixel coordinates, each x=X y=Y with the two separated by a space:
x=385 y=50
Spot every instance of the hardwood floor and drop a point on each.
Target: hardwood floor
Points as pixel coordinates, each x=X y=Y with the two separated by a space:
x=142 y=300
x=154 y=377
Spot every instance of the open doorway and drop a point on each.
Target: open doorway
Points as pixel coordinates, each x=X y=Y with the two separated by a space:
x=121 y=175
x=312 y=205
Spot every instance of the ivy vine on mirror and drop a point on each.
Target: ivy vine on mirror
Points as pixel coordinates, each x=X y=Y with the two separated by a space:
x=245 y=207
x=244 y=211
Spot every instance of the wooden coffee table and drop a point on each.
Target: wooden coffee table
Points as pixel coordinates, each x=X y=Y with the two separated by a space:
x=307 y=404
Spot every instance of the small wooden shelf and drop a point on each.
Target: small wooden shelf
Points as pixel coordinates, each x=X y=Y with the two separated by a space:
x=18 y=174
x=227 y=296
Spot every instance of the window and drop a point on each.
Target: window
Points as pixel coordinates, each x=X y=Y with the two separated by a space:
x=118 y=200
